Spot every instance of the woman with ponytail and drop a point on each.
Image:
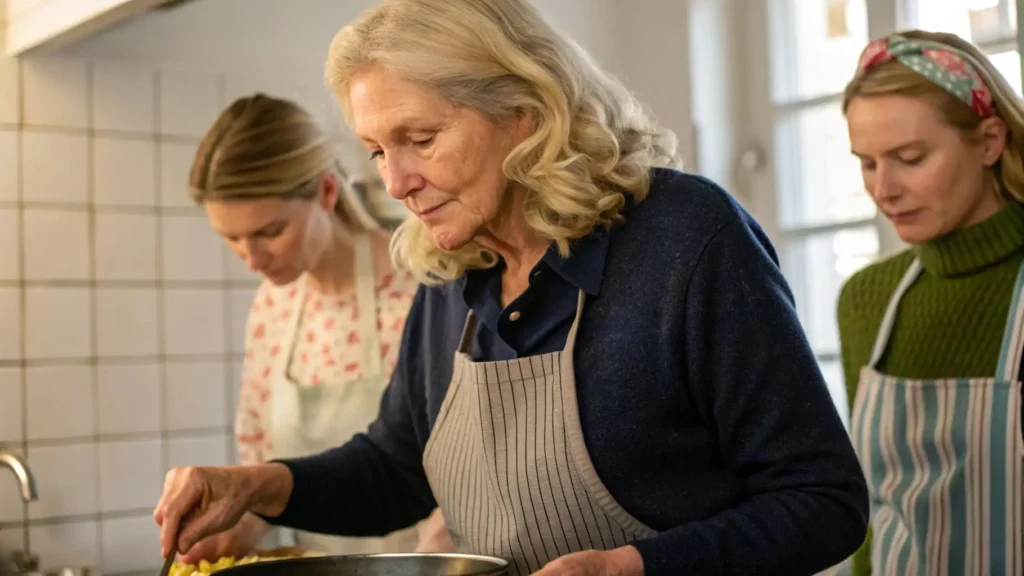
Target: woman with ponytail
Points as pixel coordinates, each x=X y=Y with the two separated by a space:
x=324 y=329
x=932 y=337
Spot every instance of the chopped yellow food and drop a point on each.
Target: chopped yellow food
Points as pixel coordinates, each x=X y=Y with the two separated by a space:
x=206 y=568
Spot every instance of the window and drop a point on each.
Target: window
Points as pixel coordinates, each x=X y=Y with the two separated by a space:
x=989 y=24
x=824 y=221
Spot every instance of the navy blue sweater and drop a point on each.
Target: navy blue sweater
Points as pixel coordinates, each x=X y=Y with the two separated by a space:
x=702 y=406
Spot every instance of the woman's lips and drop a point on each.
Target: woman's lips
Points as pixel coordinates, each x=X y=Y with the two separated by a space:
x=903 y=216
x=424 y=214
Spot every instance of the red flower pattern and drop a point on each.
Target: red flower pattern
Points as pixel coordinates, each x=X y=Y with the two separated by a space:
x=327 y=354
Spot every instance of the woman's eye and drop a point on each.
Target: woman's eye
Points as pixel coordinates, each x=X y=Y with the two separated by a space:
x=374 y=154
x=424 y=141
x=912 y=161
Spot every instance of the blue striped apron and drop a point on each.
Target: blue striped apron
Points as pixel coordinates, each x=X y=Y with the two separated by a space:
x=944 y=460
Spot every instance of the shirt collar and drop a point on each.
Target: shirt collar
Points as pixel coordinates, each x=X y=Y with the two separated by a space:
x=584 y=268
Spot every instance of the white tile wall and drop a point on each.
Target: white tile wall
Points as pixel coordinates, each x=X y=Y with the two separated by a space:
x=59 y=402
x=10 y=252
x=55 y=167
x=9 y=164
x=126 y=322
x=125 y=172
x=10 y=319
x=67 y=475
x=128 y=544
x=124 y=97
x=50 y=255
x=10 y=408
x=57 y=323
x=191 y=402
x=9 y=90
x=66 y=544
x=194 y=321
x=189 y=102
x=115 y=299
x=175 y=161
x=129 y=399
x=186 y=246
x=126 y=246
x=56 y=92
x=131 y=474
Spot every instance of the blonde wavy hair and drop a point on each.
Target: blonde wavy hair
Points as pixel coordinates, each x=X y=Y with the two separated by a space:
x=261 y=147
x=593 y=142
x=895 y=78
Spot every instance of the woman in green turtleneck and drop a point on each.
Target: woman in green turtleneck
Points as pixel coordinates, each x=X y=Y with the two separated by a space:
x=932 y=337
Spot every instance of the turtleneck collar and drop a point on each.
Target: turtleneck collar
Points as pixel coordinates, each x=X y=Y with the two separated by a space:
x=975 y=247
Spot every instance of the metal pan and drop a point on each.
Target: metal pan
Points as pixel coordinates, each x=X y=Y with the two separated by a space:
x=376 y=565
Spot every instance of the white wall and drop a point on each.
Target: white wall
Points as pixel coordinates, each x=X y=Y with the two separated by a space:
x=123 y=315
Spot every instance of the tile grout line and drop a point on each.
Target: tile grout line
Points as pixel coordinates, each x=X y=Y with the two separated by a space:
x=161 y=298
x=197 y=285
x=229 y=444
x=108 y=134
x=91 y=194
x=142 y=360
x=22 y=293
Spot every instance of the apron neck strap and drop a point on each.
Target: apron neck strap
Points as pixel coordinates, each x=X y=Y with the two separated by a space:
x=882 y=340
x=366 y=300
x=466 y=340
x=1013 y=336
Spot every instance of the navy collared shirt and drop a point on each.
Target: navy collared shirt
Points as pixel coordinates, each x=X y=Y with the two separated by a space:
x=543 y=314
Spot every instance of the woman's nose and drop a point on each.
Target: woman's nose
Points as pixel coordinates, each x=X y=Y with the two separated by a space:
x=883 y=185
x=254 y=256
x=401 y=178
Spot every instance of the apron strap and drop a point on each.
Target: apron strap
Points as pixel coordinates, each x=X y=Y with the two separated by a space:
x=882 y=340
x=1010 y=352
x=366 y=298
x=282 y=363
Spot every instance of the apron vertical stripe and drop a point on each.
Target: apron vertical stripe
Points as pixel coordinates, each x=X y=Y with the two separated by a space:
x=957 y=484
x=915 y=468
x=999 y=400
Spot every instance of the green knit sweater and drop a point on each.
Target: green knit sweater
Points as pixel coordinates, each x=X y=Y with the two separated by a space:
x=950 y=322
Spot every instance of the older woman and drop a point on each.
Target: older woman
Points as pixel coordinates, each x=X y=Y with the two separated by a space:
x=606 y=374
x=931 y=337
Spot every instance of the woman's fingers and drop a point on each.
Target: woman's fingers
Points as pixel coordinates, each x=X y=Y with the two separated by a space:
x=184 y=489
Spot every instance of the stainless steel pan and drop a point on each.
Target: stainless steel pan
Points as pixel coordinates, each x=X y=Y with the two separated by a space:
x=376 y=565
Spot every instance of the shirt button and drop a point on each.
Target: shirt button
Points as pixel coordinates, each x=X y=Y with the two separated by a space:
x=514 y=316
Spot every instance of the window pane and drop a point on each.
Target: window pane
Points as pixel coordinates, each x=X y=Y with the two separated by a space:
x=818 y=181
x=1008 y=64
x=816 y=267
x=833 y=372
x=974 y=20
x=815 y=45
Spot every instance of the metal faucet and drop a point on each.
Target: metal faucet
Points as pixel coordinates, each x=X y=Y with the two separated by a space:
x=26 y=482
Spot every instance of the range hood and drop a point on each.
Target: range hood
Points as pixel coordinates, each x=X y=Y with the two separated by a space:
x=40 y=25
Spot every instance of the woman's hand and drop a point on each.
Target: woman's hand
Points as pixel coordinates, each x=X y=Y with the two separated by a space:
x=213 y=499
x=237 y=542
x=433 y=535
x=625 y=561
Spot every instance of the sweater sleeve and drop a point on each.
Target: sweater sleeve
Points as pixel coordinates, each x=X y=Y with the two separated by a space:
x=860 y=563
x=375 y=483
x=754 y=377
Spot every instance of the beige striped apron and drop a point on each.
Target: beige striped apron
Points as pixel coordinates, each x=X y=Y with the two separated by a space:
x=944 y=461
x=508 y=465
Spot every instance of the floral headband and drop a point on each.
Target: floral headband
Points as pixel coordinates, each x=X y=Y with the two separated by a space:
x=943 y=65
